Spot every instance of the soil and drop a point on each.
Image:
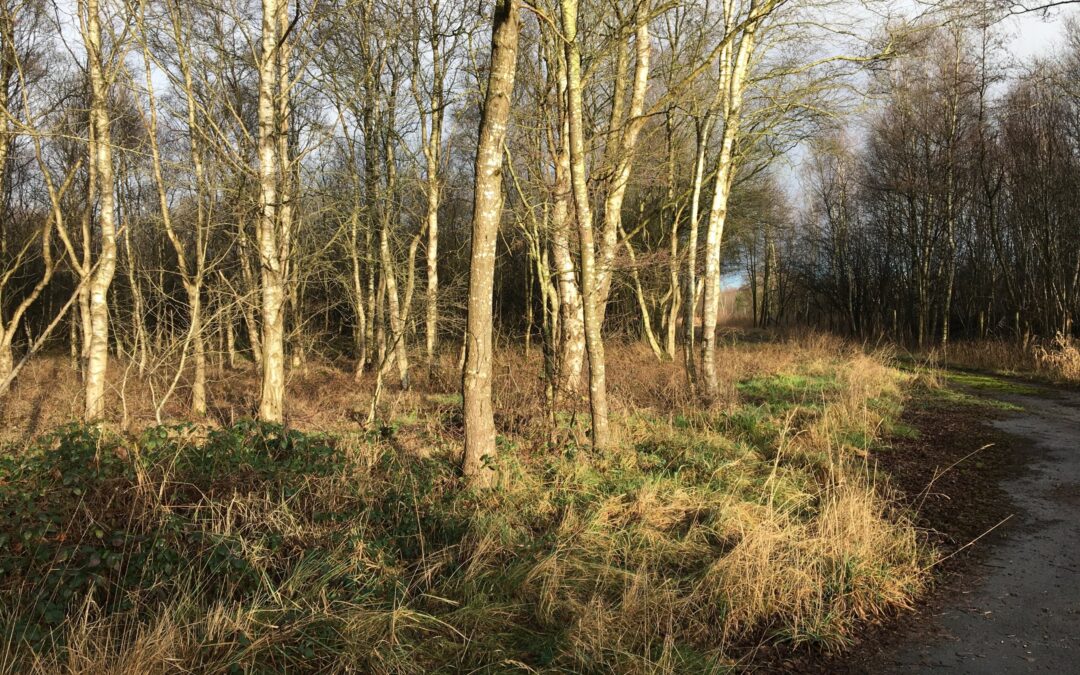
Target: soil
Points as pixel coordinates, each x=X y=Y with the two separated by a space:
x=1007 y=600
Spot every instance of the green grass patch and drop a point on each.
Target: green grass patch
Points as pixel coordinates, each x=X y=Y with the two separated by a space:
x=902 y=430
x=787 y=389
x=445 y=399
x=949 y=396
x=989 y=383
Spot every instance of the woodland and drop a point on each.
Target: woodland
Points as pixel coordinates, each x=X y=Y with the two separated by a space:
x=409 y=336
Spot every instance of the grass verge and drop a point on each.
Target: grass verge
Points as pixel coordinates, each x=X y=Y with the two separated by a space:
x=255 y=548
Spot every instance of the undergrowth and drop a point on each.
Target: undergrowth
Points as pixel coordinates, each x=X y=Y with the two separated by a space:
x=1055 y=360
x=256 y=548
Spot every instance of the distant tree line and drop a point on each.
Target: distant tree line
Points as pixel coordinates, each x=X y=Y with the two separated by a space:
x=955 y=212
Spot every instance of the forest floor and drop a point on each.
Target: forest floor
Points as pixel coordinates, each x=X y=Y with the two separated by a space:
x=799 y=516
x=1009 y=602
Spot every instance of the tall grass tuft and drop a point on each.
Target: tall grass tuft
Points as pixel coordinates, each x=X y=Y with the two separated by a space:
x=1056 y=359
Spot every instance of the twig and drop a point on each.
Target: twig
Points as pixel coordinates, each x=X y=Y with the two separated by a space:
x=972 y=542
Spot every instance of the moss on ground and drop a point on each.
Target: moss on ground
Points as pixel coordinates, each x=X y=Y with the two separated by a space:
x=949 y=396
x=989 y=383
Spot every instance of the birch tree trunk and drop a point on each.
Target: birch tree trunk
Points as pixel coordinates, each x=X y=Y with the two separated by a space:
x=673 y=212
x=395 y=312
x=191 y=272
x=9 y=327
x=13 y=259
x=431 y=298
x=572 y=320
x=431 y=130
x=487 y=212
x=54 y=218
x=704 y=130
x=85 y=267
x=359 y=306
x=733 y=81
x=639 y=294
x=230 y=336
x=288 y=192
x=245 y=295
x=591 y=299
x=97 y=361
x=202 y=237
x=953 y=116
x=7 y=75
x=394 y=309
x=141 y=342
x=272 y=272
x=627 y=129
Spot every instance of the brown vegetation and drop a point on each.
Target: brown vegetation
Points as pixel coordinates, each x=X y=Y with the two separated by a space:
x=538 y=490
x=1054 y=360
x=701 y=533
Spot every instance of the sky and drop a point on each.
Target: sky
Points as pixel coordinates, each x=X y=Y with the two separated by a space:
x=1027 y=36
x=1033 y=35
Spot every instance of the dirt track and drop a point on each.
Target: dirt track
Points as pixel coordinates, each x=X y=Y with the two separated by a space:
x=1022 y=614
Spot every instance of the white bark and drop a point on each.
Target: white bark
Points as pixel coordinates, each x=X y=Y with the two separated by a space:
x=272 y=272
x=591 y=297
x=735 y=66
x=97 y=360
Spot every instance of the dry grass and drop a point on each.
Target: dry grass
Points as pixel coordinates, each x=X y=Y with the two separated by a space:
x=1055 y=360
x=705 y=532
x=1061 y=358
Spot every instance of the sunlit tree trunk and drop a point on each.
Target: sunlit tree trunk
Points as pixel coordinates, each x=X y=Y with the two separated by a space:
x=704 y=130
x=230 y=337
x=288 y=188
x=13 y=256
x=360 y=330
x=97 y=361
x=245 y=295
x=431 y=130
x=431 y=292
x=639 y=294
x=591 y=297
x=394 y=309
x=10 y=325
x=627 y=129
x=85 y=267
x=7 y=77
x=191 y=271
x=734 y=71
x=194 y=286
x=572 y=321
x=388 y=215
x=487 y=212
x=673 y=213
x=141 y=342
x=272 y=272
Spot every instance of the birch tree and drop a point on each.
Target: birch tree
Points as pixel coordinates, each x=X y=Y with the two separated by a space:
x=20 y=245
x=272 y=224
x=590 y=284
x=191 y=256
x=100 y=147
x=437 y=28
x=734 y=70
x=487 y=212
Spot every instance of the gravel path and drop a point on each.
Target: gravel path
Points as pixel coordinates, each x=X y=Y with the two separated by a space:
x=1022 y=615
